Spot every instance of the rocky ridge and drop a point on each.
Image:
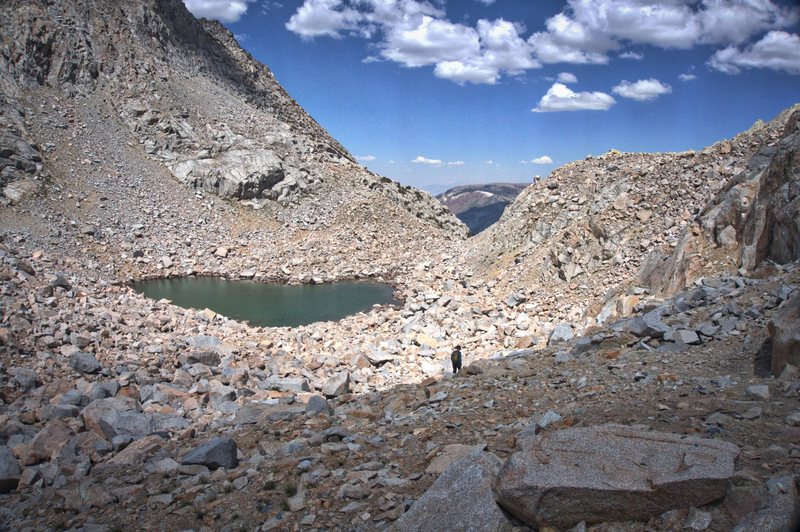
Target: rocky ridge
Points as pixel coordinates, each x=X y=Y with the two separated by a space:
x=193 y=99
x=595 y=230
x=119 y=411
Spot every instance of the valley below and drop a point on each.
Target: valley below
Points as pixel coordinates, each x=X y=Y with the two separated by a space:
x=640 y=307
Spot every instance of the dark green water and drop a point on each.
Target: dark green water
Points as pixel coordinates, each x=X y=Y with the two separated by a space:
x=270 y=305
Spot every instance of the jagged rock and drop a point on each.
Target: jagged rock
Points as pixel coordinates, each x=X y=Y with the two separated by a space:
x=758 y=391
x=9 y=470
x=338 y=385
x=84 y=362
x=318 y=405
x=784 y=330
x=49 y=412
x=116 y=416
x=771 y=229
x=515 y=299
x=449 y=454
x=562 y=333
x=682 y=336
x=285 y=384
x=611 y=473
x=460 y=499
x=215 y=453
x=87 y=495
x=48 y=441
x=379 y=358
x=649 y=324
x=19 y=189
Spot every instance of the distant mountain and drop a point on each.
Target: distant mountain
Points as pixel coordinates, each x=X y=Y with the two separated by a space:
x=479 y=206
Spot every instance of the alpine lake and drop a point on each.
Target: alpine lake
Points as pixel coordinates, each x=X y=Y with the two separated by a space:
x=270 y=305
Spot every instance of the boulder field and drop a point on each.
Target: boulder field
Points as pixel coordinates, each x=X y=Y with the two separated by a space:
x=629 y=326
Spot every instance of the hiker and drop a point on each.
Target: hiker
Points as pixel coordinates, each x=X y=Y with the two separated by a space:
x=455 y=358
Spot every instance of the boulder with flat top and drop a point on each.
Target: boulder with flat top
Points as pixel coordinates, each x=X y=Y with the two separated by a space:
x=611 y=473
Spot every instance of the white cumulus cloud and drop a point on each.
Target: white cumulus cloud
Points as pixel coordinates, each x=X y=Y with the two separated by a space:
x=455 y=163
x=544 y=159
x=224 y=10
x=430 y=42
x=687 y=77
x=463 y=73
x=365 y=158
x=567 y=77
x=560 y=98
x=318 y=18
x=642 y=90
x=777 y=50
x=417 y=33
x=424 y=160
x=586 y=30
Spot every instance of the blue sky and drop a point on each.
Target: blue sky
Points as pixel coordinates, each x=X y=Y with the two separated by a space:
x=435 y=94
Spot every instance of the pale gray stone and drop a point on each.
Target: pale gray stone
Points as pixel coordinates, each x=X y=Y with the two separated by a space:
x=646 y=325
x=337 y=385
x=562 y=333
x=758 y=391
x=460 y=499
x=611 y=473
x=781 y=512
x=259 y=413
x=285 y=384
x=116 y=416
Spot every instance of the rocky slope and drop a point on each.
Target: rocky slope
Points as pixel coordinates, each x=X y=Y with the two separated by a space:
x=193 y=100
x=593 y=232
x=121 y=412
x=479 y=206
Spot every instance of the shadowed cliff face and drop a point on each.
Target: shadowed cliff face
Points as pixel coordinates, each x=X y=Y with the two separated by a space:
x=754 y=218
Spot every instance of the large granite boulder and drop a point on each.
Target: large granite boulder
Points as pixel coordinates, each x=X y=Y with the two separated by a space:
x=611 y=473
x=460 y=499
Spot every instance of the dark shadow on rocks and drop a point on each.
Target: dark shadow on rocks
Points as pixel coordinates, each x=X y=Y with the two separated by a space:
x=762 y=360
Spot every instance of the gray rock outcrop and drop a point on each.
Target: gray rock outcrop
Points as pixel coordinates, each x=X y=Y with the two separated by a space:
x=116 y=416
x=215 y=453
x=756 y=216
x=611 y=473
